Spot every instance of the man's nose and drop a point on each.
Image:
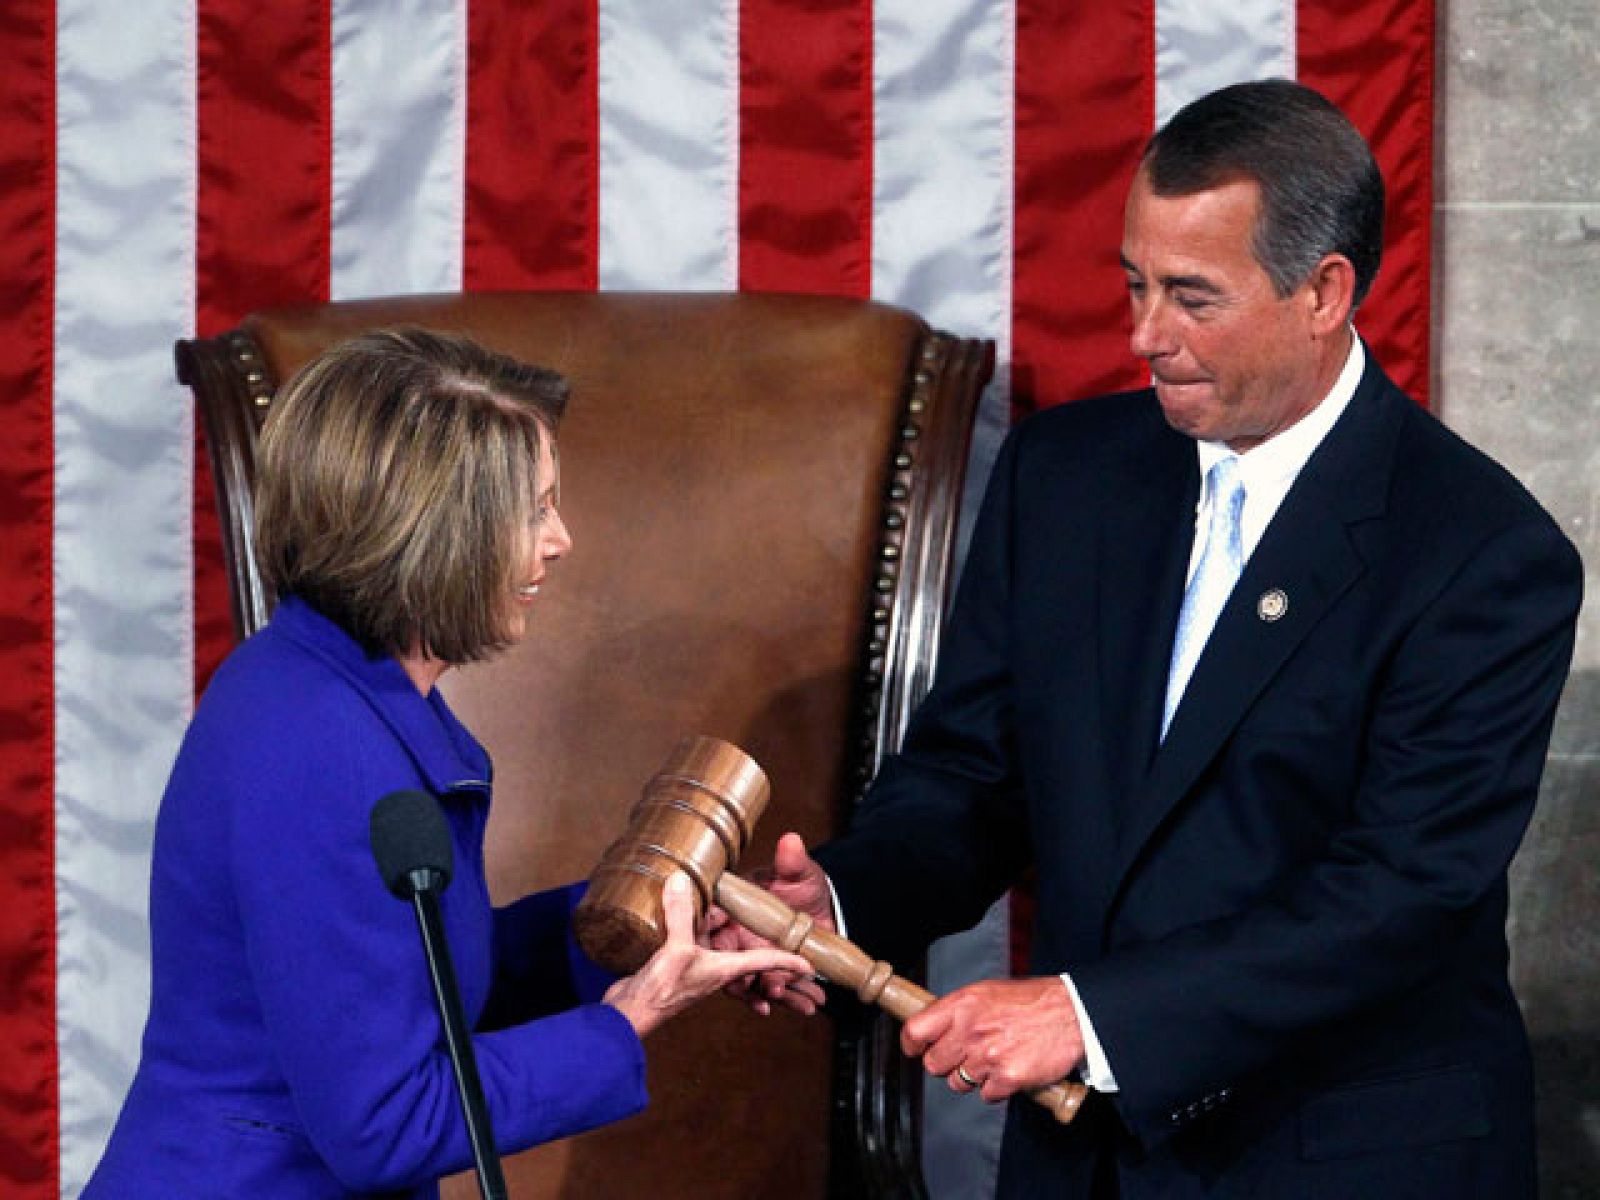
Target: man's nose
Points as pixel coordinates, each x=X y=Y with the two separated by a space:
x=1150 y=337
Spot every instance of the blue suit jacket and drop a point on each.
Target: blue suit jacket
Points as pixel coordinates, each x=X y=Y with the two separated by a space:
x=1287 y=920
x=293 y=1047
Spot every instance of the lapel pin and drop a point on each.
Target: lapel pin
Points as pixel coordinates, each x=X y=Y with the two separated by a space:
x=1272 y=605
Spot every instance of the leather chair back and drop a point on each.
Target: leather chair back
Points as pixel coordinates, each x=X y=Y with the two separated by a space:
x=762 y=493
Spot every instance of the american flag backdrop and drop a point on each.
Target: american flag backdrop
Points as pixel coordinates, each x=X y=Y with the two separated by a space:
x=168 y=165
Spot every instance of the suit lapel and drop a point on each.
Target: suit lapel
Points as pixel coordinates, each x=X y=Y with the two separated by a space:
x=1309 y=572
x=1143 y=552
x=1305 y=561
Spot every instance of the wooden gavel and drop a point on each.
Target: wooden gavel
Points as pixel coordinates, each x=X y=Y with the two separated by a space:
x=697 y=815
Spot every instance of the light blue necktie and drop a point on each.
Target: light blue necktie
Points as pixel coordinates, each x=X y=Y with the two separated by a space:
x=1221 y=560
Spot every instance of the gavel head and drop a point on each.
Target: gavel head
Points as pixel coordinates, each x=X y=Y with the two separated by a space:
x=696 y=815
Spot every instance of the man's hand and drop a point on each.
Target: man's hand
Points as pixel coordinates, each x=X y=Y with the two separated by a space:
x=796 y=880
x=998 y=1037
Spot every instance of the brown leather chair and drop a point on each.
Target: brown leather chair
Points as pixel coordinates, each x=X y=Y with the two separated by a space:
x=762 y=492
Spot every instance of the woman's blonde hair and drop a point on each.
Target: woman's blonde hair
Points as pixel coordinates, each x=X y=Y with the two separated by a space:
x=394 y=475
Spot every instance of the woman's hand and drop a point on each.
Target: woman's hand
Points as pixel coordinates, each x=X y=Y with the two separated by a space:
x=685 y=970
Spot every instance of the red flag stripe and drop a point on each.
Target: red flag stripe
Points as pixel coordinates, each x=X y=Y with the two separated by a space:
x=29 y=1091
x=1085 y=103
x=805 y=146
x=264 y=119
x=533 y=174
x=1376 y=62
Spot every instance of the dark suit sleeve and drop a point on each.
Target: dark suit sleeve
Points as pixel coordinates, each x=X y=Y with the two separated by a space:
x=942 y=832
x=1452 y=759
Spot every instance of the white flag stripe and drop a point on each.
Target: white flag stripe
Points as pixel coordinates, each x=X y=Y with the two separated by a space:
x=943 y=161
x=124 y=676
x=399 y=146
x=943 y=96
x=942 y=102
x=1202 y=45
x=669 y=144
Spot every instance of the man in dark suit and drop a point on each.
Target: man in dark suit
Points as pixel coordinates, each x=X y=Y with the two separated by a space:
x=1256 y=669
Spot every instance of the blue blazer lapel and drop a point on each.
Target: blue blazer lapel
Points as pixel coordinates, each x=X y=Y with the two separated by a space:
x=1307 y=554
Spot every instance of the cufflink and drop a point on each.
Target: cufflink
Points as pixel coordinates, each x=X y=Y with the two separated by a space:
x=1272 y=605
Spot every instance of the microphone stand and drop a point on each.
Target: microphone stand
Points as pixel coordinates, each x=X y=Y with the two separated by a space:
x=425 y=902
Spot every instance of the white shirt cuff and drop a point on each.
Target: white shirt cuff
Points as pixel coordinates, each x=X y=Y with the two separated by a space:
x=1096 y=1070
x=838 y=913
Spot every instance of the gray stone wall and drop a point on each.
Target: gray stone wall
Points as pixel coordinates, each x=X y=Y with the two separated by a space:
x=1517 y=329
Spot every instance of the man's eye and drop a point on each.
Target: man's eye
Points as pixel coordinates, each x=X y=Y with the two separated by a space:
x=1192 y=303
x=1135 y=287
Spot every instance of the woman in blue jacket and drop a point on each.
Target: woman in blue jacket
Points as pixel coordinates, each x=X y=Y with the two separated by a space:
x=406 y=514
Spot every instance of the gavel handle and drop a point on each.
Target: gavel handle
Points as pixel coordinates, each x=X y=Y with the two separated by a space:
x=842 y=961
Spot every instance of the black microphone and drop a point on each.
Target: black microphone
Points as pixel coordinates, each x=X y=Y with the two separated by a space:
x=411 y=843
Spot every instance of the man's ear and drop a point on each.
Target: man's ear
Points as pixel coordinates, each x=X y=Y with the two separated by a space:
x=1330 y=293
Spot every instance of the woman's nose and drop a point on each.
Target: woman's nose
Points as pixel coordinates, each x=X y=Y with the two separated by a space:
x=555 y=539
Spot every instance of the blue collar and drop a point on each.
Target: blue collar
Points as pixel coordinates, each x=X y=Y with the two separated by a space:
x=446 y=754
